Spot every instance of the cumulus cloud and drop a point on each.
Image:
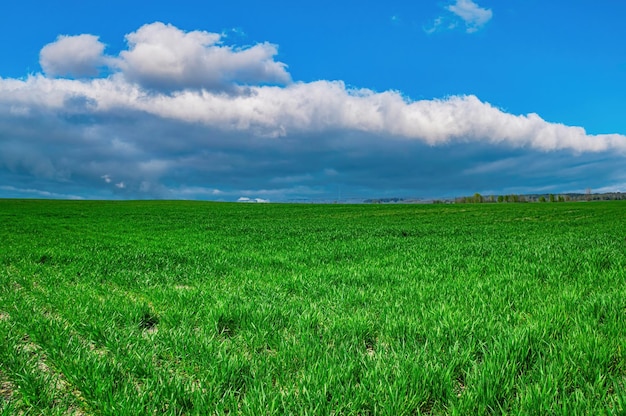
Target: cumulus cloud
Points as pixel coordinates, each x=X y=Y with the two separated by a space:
x=471 y=14
x=75 y=56
x=163 y=57
x=131 y=134
x=312 y=108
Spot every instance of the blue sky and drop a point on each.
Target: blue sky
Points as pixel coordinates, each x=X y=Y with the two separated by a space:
x=285 y=101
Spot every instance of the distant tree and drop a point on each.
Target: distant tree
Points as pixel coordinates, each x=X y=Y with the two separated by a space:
x=542 y=198
x=561 y=198
x=478 y=198
x=500 y=198
x=552 y=199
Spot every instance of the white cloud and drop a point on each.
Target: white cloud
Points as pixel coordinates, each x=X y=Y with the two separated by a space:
x=321 y=106
x=257 y=200
x=75 y=56
x=471 y=14
x=474 y=16
x=163 y=57
x=37 y=192
x=308 y=108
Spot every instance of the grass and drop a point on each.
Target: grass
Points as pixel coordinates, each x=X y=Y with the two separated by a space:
x=206 y=308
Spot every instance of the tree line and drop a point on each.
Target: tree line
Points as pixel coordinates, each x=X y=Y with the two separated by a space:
x=515 y=198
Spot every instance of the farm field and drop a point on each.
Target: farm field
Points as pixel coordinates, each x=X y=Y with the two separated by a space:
x=128 y=308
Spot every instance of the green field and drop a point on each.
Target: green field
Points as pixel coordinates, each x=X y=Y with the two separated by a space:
x=128 y=308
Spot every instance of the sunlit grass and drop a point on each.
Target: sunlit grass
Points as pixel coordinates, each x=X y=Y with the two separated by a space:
x=201 y=308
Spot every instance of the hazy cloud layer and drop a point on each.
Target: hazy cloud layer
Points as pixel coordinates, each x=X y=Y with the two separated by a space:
x=181 y=116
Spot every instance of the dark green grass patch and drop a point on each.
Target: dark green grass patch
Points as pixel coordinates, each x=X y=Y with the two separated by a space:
x=208 y=308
